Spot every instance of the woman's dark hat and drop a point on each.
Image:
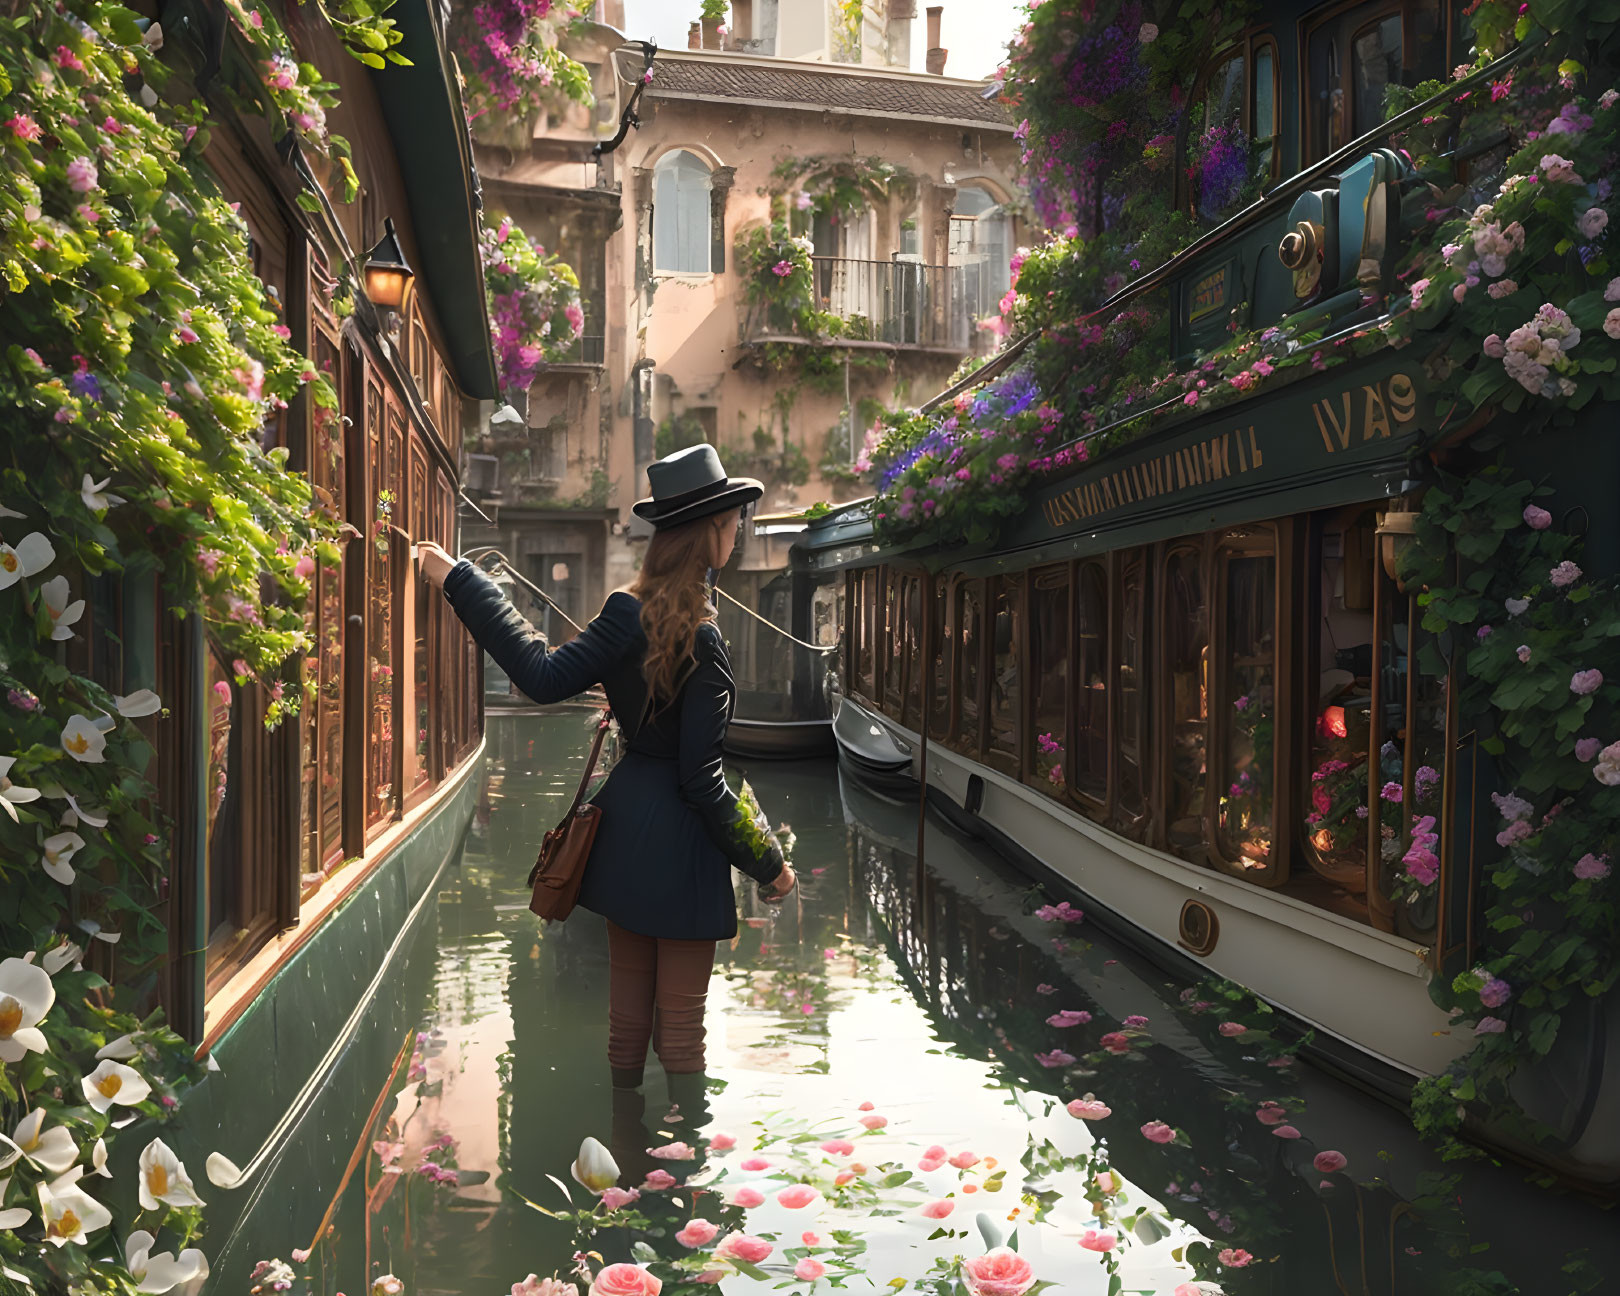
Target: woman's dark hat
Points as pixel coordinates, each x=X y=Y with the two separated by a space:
x=690 y=484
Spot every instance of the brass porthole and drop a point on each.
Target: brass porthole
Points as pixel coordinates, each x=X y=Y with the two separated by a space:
x=1198 y=928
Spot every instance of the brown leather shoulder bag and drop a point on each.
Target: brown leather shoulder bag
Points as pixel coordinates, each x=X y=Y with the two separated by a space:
x=560 y=868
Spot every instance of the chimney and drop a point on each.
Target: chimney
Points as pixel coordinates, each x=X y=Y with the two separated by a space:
x=742 y=20
x=936 y=55
x=694 y=36
x=897 y=36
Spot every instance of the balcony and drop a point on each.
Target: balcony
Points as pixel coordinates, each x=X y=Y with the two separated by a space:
x=885 y=304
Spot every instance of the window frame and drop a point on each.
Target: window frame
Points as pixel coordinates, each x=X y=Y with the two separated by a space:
x=969 y=745
x=1010 y=763
x=1030 y=762
x=1163 y=722
x=665 y=165
x=1089 y=805
x=1246 y=45
x=1134 y=825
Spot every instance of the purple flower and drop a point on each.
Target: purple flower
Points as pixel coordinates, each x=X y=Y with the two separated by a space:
x=22 y=699
x=1483 y=633
x=1586 y=748
x=1495 y=993
x=782 y=269
x=1490 y=1026
x=1586 y=681
x=1565 y=574
x=1391 y=792
x=1591 y=867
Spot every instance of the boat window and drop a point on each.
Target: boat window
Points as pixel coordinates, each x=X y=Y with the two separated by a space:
x=383 y=455
x=941 y=610
x=1247 y=697
x=894 y=654
x=1325 y=109
x=1045 y=756
x=1088 y=761
x=912 y=627
x=421 y=773
x=1185 y=671
x=326 y=627
x=1223 y=94
x=969 y=631
x=1006 y=649
x=867 y=681
x=1340 y=684
x=1353 y=57
x=1263 y=113
x=1375 y=65
x=1130 y=663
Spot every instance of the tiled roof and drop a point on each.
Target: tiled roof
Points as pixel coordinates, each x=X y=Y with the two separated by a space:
x=817 y=87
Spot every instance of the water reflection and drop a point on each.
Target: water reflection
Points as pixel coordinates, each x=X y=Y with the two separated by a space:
x=931 y=993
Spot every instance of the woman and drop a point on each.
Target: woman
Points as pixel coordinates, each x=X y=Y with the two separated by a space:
x=660 y=867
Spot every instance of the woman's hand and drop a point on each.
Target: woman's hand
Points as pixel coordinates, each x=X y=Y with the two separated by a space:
x=775 y=892
x=434 y=562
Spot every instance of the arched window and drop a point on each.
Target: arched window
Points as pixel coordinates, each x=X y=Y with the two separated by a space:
x=681 y=214
x=980 y=232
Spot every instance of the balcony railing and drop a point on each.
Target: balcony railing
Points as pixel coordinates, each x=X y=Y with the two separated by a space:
x=897 y=303
x=591 y=349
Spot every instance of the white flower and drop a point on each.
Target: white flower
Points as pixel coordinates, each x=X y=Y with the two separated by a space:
x=70 y=1213
x=122 y=1047
x=91 y=492
x=32 y=554
x=113 y=1082
x=142 y=702
x=52 y=1149
x=57 y=959
x=161 y=1272
x=5 y=512
x=76 y=812
x=11 y=1220
x=26 y=995
x=222 y=1171
x=59 y=850
x=595 y=1167
x=98 y=1159
x=63 y=614
x=83 y=741
x=164 y=1178
x=11 y=795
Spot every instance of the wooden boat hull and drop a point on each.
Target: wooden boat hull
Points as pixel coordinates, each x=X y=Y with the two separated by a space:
x=869 y=751
x=779 y=739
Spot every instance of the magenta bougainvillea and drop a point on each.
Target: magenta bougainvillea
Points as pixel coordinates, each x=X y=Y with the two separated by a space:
x=534 y=310
x=510 y=56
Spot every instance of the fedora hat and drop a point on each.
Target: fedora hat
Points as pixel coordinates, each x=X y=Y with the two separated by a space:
x=690 y=484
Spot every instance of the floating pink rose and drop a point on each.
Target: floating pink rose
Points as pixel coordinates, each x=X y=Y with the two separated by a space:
x=1136 y=1021
x=965 y=1160
x=625 y=1280
x=1158 y=1132
x=698 y=1232
x=939 y=1208
x=1089 y=1108
x=1044 y=989
x=616 y=1198
x=1611 y=324
x=839 y=1147
x=809 y=1269
x=1232 y=1028
x=673 y=1152
x=744 y=1247
x=873 y=1121
x=1107 y=1182
x=1002 y=1272
x=747 y=1198
x=1235 y=1258
x=1586 y=682
x=867 y=1106
x=24 y=128
x=1069 y=1017
x=756 y=1163
x=1270 y=1113
x=1329 y=1162
x=1286 y=1132
x=1490 y=1026
x=659 y=1180
x=797 y=1196
x=1056 y=1058
x=1590 y=868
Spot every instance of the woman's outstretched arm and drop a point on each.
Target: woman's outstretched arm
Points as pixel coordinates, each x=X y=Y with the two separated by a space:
x=521 y=651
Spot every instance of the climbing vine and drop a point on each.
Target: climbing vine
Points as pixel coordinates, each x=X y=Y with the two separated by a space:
x=535 y=317
x=511 y=57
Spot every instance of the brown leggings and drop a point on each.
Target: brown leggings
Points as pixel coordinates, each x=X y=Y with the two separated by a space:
x=656 y=992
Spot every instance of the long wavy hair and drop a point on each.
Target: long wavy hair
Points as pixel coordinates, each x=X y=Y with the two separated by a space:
x=674 y=598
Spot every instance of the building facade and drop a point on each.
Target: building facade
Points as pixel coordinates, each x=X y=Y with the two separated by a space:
x=794 y=124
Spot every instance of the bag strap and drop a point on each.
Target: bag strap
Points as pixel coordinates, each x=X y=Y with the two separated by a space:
x=590 y=763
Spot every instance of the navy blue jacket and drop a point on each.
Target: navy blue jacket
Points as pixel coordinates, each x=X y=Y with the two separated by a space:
x=661 y=863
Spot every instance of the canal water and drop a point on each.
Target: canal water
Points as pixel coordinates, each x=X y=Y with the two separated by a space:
x=955 y=1008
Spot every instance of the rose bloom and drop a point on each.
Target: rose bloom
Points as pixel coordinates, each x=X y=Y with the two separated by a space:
x=1330 y=1162
x=747 y=1198
x=1089 y=1108
x=1002 y=1272
x=1235 y=1258
x=744 y=1247
x=625 y=1280
x=1095 y=1241
x=939 y=1208
x=1270 y=1113
x=839 y=1147
x=1286 y=1132
x=809 y=1269
x=722 y=1142
x=1232 y=1028
x=698 y=1232
x=1158 y=1132
x=797 y=1196
x=874 y=1122
x=1585 y=682
x=1590 y=868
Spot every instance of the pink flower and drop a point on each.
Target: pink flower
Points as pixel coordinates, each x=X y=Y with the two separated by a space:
x=1056 y=1058
x=1330 y=1162
x=797 y=1196
x=186 y=334
x=24 y=128
x=1587 y=748
x=658 y=1180
x=809 y=1269
x=747 y=1198
x=67 y=60
x=615 y=1198
x=1490 y=1026
x=1136 y=1021
x=1108 y=1182
x=1270 y=1113
x=1611 y=324
x=673 y=1152
x=867 y=1106
x=1230 y=1028
x=1565 y=574
x=1089 y=1108
x=1116 y=1042
x=81 y=175
x=1559 y=169
x=625 y=1280
x=1001 y=1272
x=722 y=1142
x=965 y=1160
x=698 y=1232
x=1591 y=222
x=873 y=1122
x=1495 y=992
x=1188 y=1289
x=782 y=269
x=1286 y=1132
x=1158 y=1132
x=839 y=1147
x=1235 y=1258
x=1069 y=1017
x=744 y=1247
x=756 y=1163
x=1045 y=989
x=1095 y=1241
x=1590 y=868
x=1523 y=652
x=1494 y=347
x=939 y=1208
x=1585 y=682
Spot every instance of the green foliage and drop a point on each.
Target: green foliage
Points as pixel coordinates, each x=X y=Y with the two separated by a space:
x=677 y=432
x=753 y=828
x=842 y=185
x=714 y=10
x=535 y=316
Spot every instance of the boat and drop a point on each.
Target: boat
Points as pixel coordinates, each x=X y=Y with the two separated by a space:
x=1191 y=671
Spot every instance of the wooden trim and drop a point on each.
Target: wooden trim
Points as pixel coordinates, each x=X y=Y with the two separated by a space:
x=1091 y=806
x=238 y=992
x=1132 y=825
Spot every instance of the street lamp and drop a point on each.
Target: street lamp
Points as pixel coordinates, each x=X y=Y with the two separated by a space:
x=388 y=277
